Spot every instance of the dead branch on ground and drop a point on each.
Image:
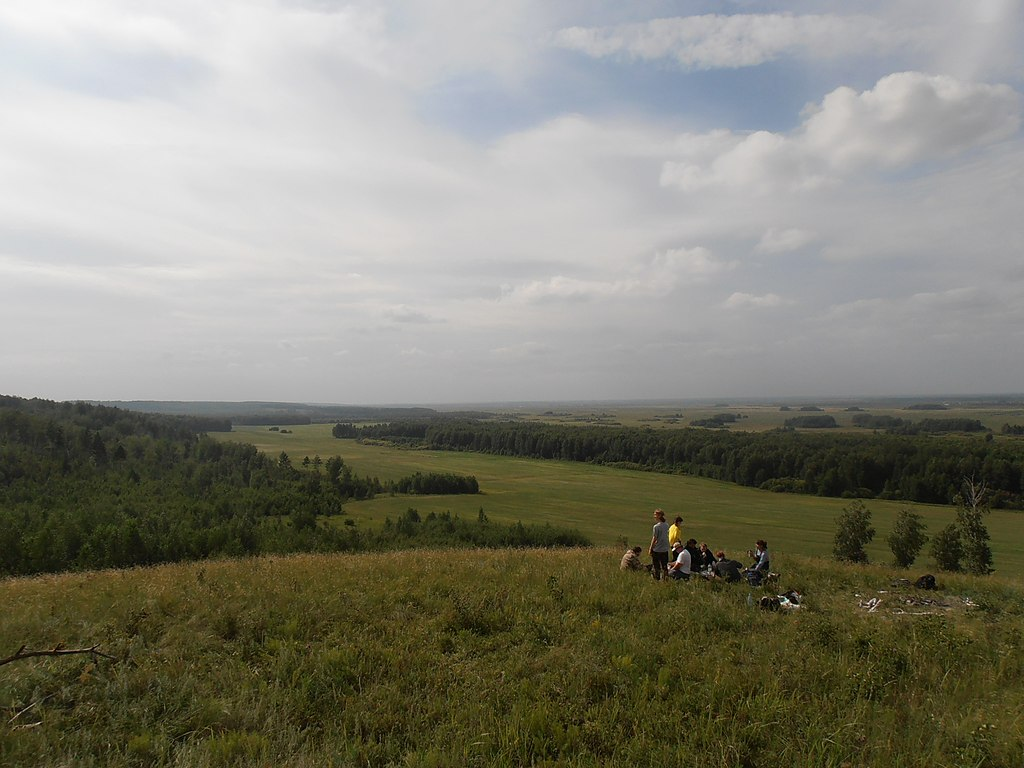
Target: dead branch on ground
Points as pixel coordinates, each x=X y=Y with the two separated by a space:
x=58 y=650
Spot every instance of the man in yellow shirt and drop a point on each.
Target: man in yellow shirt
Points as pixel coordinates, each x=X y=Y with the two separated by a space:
x=675 y=532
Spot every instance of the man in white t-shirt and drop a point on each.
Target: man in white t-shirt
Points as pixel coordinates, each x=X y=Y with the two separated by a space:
x=680 y=567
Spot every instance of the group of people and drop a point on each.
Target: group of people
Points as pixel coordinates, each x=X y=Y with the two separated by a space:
x=673 y=558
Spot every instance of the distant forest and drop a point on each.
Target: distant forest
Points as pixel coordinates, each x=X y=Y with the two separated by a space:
x=914 y=462
x=89 y=486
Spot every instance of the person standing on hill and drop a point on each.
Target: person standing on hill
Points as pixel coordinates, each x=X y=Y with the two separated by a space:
x=659 y=546
x=675 y=532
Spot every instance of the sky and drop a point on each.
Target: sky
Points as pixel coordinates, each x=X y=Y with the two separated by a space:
x=443 y=201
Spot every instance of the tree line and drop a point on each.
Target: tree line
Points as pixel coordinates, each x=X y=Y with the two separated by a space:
x=912 y=467
x=85 y=486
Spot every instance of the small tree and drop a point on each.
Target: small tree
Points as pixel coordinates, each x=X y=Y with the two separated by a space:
x=947 y=548
x=971 y=506
x=853 y=533
x=907 y=538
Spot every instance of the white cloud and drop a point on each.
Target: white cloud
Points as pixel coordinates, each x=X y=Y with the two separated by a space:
x=740 y=300
x=906 y=119
x=186 y=183
x=783 y=241
x=741 y=40
x=688 y=264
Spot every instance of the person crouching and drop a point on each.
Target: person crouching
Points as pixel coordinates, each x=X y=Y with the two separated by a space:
x=680 y=568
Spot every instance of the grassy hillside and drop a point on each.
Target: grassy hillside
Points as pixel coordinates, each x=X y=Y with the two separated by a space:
x=506 y=658
x=607 y=503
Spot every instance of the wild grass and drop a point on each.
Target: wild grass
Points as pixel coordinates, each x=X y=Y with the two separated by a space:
x=506 y=658
x=608 y=504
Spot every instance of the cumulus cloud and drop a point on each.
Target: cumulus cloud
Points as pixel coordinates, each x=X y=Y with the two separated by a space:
x=567 y=289
x=184 y=180
x=741 y=40
x=906 y=119
x=665 y=271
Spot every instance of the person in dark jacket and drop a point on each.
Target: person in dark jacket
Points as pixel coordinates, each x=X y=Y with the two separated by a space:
x=727 y=569
x=707 y=558
x=695 y=558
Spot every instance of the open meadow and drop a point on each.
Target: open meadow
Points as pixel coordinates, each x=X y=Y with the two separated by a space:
x=506 y=658
x=758 y=417
x=609 y=504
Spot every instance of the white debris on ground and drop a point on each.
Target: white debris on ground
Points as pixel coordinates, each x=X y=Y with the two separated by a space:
x=911 y=605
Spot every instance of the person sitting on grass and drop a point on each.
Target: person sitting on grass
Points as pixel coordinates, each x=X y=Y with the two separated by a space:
x=631 y=560
x=679 y=569
x=758 y=572
x=761 y=558
x=707 y=558
x=691 y=547
x=724 y=568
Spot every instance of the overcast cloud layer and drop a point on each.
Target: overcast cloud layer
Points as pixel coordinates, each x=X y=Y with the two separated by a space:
x=435 y=201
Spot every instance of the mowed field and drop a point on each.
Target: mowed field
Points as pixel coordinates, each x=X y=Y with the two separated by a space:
x=609 y=504
x=760 y=417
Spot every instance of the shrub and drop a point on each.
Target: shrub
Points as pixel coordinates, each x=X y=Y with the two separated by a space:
x=907 y=538
x=853 y=533
x=974 y=536
x=947 y=548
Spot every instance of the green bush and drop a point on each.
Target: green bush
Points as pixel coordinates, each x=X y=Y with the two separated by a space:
x=907 y=538
x=947 y=549
x=853 y=533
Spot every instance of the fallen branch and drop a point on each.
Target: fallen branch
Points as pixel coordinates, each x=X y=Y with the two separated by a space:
x=58 y=650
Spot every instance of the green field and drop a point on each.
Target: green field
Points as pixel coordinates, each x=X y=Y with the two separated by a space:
x=507 y=658
x=760 y=417
x=608 y=504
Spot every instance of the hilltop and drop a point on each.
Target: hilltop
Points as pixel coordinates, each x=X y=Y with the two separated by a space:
x=506 y=658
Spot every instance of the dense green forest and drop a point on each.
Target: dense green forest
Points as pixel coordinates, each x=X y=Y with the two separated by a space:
x=917 y=463
x=87 y=486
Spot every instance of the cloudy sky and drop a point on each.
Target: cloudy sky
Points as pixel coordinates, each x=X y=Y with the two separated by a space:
x=445 y=201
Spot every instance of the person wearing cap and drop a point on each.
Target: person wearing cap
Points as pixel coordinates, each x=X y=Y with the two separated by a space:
x=680 y=567
x=659 y=549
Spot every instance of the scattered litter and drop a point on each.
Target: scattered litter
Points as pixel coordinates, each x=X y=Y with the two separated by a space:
x=789 y=601
x=871 y=605
x=913 y=604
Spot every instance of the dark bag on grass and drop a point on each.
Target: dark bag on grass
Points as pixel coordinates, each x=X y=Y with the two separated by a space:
x=925 y=582
x=754 y=578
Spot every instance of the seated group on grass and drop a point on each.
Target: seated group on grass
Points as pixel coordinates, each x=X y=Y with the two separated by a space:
x=687 y=560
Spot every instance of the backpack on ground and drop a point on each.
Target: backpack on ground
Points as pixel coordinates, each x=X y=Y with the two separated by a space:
x=925 y=582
